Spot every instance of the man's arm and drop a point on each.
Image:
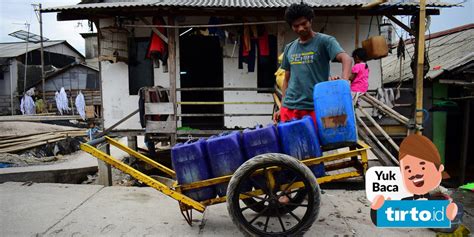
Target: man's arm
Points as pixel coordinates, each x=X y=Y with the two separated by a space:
x=285 y=84
x=346 y=64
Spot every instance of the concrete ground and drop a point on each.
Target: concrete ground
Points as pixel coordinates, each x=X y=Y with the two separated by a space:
x=43 y=209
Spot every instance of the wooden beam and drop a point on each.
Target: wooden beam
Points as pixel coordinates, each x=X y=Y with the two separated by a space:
x=155 y=30
x=172 y=73
x=465 y=141
x=399 y=23
x=106 y=131
x=357 y=31
x=373 y=4
x=105 y=170
x=280 y=37
x=419 y=66
x=95 y=14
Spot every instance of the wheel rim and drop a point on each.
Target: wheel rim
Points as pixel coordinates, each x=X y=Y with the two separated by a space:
x=276 y=217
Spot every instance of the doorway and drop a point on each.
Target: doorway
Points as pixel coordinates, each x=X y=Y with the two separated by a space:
x=201 y=65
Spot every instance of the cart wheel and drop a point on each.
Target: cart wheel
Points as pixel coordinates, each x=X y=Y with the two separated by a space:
x=279 y=217
x=295 y=197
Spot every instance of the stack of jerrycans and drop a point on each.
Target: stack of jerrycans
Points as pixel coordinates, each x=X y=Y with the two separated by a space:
x=191 y=164
x=259 y=141
x=298 y=139
x=225 y=157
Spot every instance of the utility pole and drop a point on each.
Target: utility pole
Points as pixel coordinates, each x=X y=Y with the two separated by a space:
x=419 y=66
x=39 y=14
x=42 y=49
x=26 y=57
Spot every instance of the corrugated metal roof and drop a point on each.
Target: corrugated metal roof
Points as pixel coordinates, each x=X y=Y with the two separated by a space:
x=238 y=4
x=14 y=49
x=447 y=51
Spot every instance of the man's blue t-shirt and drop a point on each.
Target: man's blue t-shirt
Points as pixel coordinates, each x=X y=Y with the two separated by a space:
x=309 y=64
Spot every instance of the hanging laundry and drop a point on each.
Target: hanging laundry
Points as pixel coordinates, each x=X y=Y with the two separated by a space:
x=386 y=96
x=58 y=105
x=255 y=40
x=61 y=101
x=81 y=105
x=218 y=31
x=158 y=49
x=267 y=63
x=250 y=56
x=263 y=46
x=27 y=105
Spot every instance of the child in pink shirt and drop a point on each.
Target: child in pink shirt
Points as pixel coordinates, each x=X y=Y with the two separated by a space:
x=360 y=73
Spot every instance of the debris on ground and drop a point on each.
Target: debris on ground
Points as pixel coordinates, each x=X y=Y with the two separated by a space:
x=27 y=143
x=15 y=160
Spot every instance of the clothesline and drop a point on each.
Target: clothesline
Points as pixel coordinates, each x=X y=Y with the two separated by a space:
x=206 y=26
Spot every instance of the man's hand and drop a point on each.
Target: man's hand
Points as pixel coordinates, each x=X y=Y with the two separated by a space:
x=378 y=201
x=451 y=211
x=276 y=117
x=333 y=78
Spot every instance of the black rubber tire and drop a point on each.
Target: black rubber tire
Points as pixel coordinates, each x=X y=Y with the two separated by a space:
x=299 y=197
x=266 y=160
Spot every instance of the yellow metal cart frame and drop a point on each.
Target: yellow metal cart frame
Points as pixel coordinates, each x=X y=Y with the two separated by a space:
x=358 y=160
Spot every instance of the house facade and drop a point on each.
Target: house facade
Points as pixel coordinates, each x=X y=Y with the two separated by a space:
x=203 y=57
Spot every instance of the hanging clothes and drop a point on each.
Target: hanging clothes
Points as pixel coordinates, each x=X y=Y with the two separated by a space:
x=248 y=57
x=267 y=61
x=158 y=49
x=58 y=105
x=263 y=44
x=218 y=31
x=61 y=101
x=27 y=105
x=254 y=42
x=386 y=96
x=81 y=105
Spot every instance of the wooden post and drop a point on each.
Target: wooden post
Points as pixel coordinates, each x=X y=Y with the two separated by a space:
x=280 y=37
x=419 y=66
x=105 y=170
x=132 y=143
x=172 y=72
x=465 y=141
x=357 y=31
x=11 y=85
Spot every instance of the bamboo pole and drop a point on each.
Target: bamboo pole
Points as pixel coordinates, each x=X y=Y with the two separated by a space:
x=380 y=129
x=400 y=118
x=419 y=66
x=384 y=149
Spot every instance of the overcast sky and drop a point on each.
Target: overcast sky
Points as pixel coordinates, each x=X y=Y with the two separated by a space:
x=15 y=13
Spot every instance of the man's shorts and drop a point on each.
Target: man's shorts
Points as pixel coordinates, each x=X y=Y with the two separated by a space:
x=288 y=114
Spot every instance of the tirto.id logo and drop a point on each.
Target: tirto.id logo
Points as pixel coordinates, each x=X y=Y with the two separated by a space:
x=413 y=214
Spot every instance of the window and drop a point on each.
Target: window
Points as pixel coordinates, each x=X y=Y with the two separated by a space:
x=92 y=81
x=140 y=68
